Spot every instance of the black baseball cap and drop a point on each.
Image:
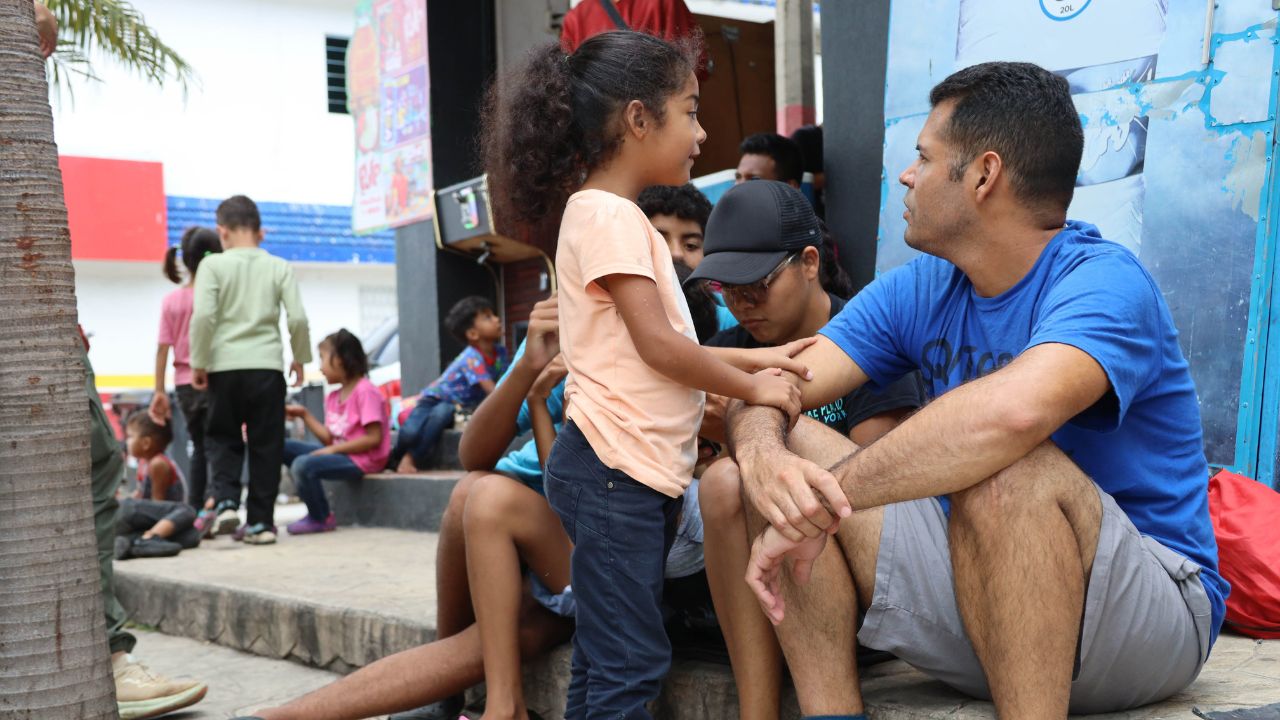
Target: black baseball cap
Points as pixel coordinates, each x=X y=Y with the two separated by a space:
x=752 y=229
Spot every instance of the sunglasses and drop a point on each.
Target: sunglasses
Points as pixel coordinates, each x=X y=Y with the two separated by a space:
x=758 y=291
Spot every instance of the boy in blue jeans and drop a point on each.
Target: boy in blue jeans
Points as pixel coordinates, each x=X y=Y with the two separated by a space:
x=468 y=380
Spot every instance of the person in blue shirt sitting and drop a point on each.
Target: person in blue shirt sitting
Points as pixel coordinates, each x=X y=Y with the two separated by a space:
x=1038 y=534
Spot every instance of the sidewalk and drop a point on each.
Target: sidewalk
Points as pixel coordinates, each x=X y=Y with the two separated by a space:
x=341 y=600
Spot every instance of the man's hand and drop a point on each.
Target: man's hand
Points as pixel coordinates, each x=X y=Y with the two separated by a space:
x=199 y=379
x=798 y=498
x=47 y=29
x=296 y=369
x=764 y=570
x=159 y=409
x=542 y=343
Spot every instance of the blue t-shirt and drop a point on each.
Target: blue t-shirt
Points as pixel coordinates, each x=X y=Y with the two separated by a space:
x=724 y=317
x=523 y=464
x=460 y=382
x=1141 y=443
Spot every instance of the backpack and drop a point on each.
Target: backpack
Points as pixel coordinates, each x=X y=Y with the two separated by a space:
x=1246 y=521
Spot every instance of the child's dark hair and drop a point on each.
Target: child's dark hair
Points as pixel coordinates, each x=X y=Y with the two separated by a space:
x=462 y=316
x=685 y=202
x=140 y=422
x=197 y=243
x=555 y=117
x=785 y=152
x=831 y=274
x=239 y=212
x=702 y=307
x=349 y=352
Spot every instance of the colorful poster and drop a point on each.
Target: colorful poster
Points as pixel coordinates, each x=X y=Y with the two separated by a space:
x=388 y=91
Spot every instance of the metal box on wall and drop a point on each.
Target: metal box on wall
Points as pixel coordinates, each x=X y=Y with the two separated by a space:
x=464 y=223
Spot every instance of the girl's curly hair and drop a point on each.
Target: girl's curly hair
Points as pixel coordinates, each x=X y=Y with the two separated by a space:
x=555 y=116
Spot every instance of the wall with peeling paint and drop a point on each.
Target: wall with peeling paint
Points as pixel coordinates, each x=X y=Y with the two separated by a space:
x=1178 y=165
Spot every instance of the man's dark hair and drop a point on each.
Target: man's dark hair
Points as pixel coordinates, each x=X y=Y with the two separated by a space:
x=1024 y=113
x=784 y=151
x=350 y=353
x=809 y=139
x=140 y=421
x=238 y=212
x=462 y=316
x=685 y=202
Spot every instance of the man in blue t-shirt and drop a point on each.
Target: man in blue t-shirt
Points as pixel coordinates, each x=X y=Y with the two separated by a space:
x=1039 y=533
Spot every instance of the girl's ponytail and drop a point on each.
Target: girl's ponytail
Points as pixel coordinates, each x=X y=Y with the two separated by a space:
x=531 y=147
x=171 y=265
x=197 y=243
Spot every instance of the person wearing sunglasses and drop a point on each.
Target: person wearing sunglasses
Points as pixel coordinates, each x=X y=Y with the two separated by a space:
x=776 y=269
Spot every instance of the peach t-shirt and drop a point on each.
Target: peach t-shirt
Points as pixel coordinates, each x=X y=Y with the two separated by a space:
x=637 y=420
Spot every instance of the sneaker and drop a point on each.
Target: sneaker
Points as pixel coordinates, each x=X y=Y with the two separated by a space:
x=307 y=525
x=206 y=522
x=141 y=693
x=260 y=534
x=228 y=518
x=153 y=547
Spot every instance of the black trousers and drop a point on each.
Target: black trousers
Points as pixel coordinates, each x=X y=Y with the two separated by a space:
x=195 y=407
x=253 y=399
x=138 y=516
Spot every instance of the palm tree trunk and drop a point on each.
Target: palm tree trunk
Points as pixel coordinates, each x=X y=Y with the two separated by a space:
x=53 y=652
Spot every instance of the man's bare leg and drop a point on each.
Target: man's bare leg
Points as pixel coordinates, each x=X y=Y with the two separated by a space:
x=754 y=653
x=1022 y=546
x=506 y=522
x=421 y=675
x=453 y=591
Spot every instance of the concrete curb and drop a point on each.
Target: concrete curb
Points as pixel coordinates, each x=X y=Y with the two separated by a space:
x=407 y=502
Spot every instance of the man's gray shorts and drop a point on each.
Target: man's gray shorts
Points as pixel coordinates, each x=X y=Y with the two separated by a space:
x=1146 y=619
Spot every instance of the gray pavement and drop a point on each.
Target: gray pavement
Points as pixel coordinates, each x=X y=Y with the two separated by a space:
x=343 y=599
x=238 y=682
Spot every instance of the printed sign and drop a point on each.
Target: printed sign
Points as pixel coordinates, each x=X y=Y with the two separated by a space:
x=388 y=95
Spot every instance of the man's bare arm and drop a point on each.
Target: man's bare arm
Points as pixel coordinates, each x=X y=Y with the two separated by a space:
x=975 y=430
x=782 y=485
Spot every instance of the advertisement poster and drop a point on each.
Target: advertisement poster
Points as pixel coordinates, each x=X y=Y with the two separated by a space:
x=388 y=91
x=1175 y=156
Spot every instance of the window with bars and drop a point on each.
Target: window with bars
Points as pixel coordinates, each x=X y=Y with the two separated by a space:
x=335 y=59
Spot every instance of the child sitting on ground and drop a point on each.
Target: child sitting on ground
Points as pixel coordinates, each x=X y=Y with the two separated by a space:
x=468 y=380
x=354 y=437
x=156 y=521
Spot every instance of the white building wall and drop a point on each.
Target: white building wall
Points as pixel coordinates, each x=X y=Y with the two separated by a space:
x=254 y=121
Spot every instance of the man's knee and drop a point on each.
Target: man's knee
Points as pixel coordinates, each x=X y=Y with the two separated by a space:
x=720 y=493
x=1044 y=477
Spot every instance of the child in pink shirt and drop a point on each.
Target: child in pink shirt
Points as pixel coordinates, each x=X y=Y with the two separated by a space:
x=175 y=319
x=354 y=437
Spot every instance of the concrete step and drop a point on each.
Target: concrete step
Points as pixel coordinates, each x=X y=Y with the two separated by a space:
x=389 y=500
x=340 y=600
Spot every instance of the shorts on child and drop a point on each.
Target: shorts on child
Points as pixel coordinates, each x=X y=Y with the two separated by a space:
x=1146 y=624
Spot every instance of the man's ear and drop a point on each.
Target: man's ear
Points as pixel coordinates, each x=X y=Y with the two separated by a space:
x=811 y=261
x=988 y=168
x=636 y=118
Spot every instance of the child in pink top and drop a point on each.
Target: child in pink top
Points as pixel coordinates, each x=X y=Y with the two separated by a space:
x=354 y=437
x=175 y=319
x=616 y=116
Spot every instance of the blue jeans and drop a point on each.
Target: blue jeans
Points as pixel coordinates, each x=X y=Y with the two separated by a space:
x=308 y=470
x=621 y=531
x=421 y=431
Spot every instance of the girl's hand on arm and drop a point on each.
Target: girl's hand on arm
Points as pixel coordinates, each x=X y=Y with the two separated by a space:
x=757 y=359
x=772 y=389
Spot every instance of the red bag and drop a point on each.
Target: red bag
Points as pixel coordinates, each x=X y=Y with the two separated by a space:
x=1246 y=520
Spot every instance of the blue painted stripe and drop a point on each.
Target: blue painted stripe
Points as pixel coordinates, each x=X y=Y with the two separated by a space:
x=297 y=232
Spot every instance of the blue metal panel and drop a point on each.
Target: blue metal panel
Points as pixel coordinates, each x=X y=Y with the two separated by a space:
x=296 y=232
x=1267 y=467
